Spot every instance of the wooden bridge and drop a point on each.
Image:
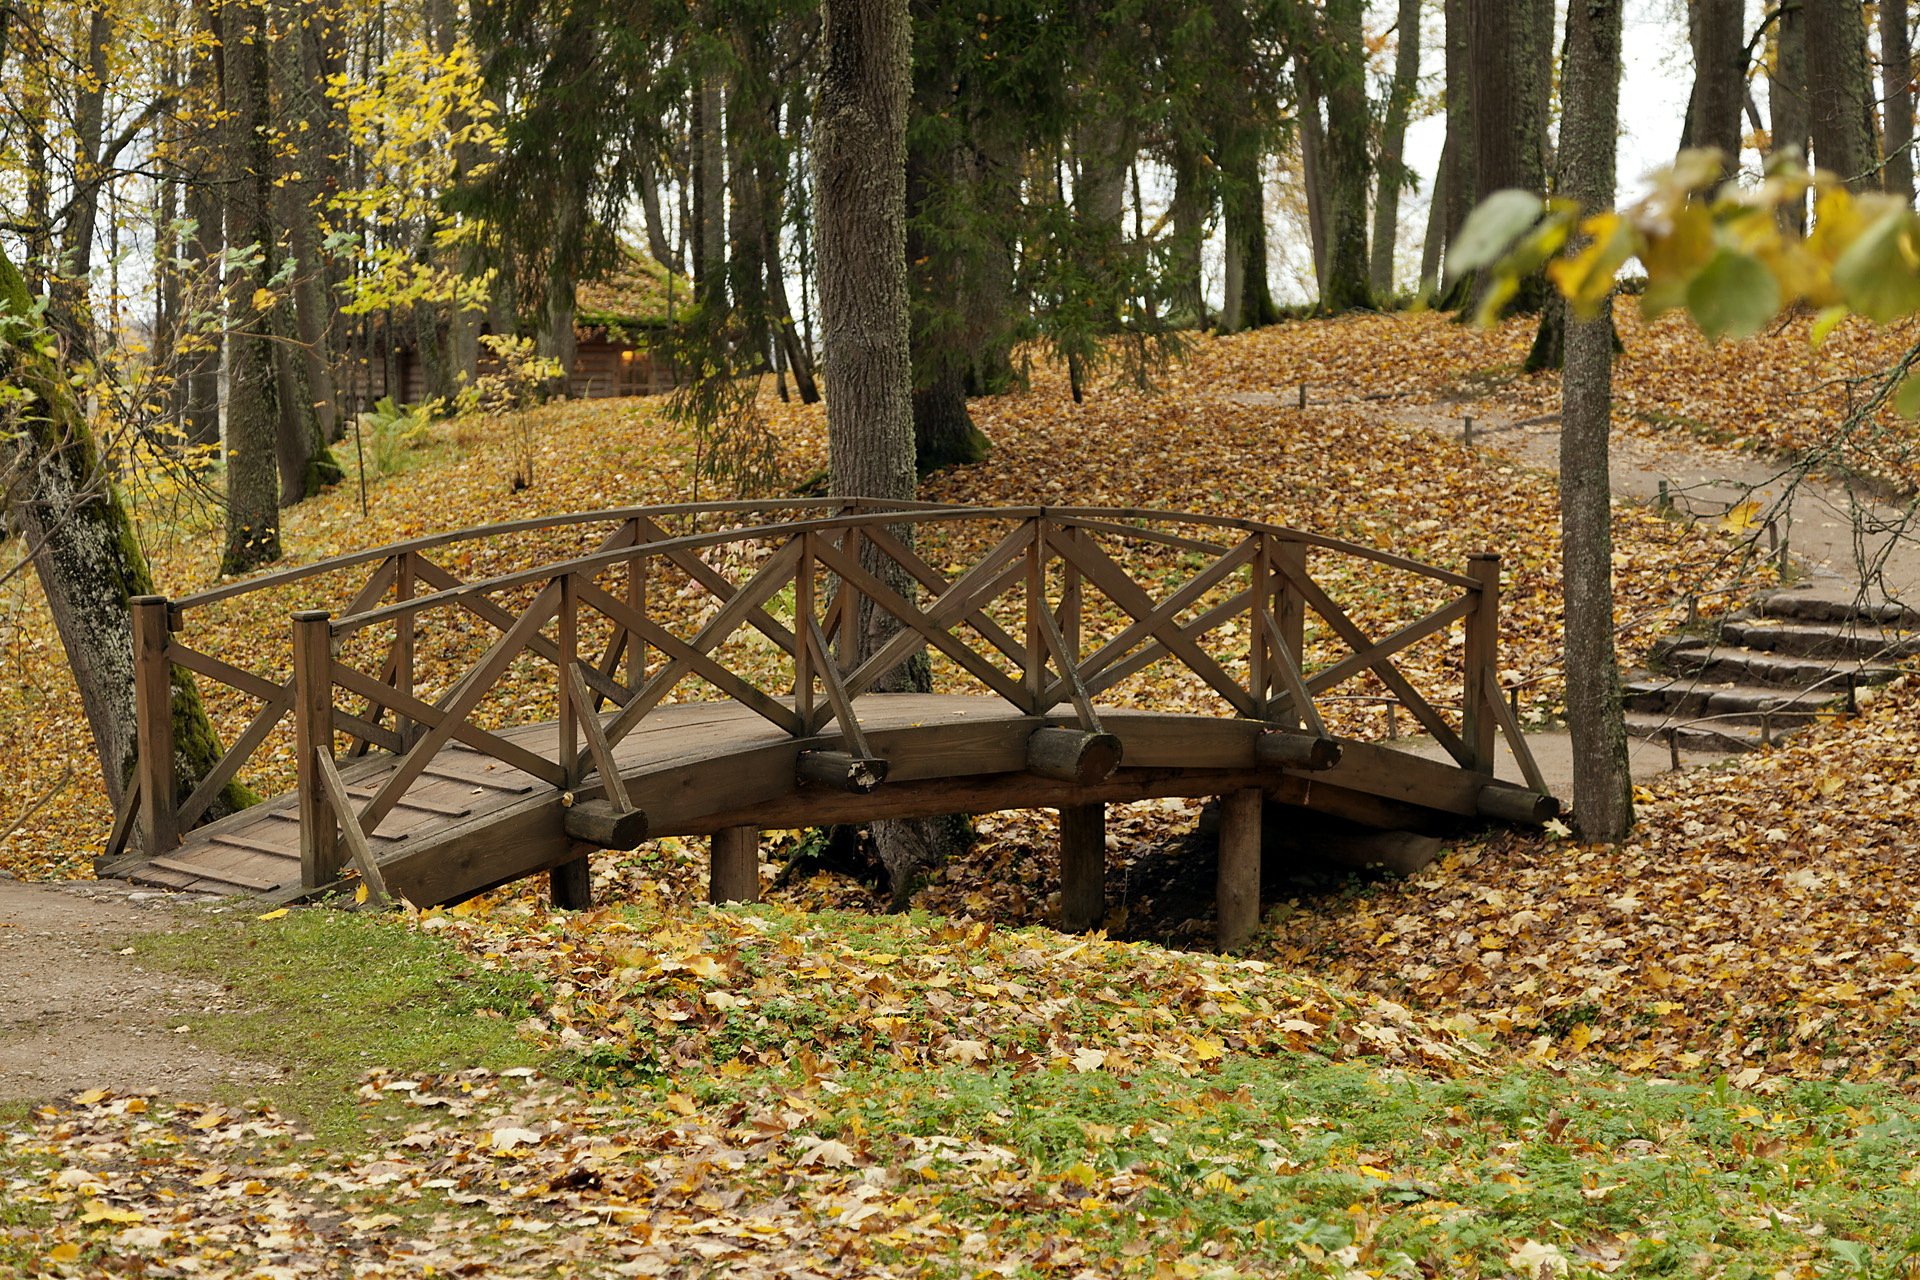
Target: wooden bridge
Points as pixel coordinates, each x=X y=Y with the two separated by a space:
x=438 y=736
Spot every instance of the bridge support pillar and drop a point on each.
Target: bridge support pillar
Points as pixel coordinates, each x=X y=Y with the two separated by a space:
x=1083 y=867
x=1237 y=887
x=570 y=885
x=734 y=872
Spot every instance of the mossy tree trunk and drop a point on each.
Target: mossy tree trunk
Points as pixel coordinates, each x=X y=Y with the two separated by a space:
x=84 y=553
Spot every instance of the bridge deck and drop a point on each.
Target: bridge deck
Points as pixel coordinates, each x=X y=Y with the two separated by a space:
x=472 y=821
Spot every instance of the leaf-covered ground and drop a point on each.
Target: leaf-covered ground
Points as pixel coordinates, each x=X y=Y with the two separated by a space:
x=1534 y=1059
x=749 y=1092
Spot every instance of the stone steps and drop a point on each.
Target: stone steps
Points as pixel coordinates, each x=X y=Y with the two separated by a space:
x=1797 y=655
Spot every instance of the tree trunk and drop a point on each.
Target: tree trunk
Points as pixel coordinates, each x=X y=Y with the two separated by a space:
x=68 y=311
x=746 y=264
x=1434 y=246
x=1393 y=138
x=1896 y=91
x=860 y=199
x=1787 y=95
x=709 y=194
x=1839 y=98
x=1512 y=56
x=657 y=245
x=200 y=348
x=1462 y=173
x=1313 y=173
x=1103 y=147
x=555 y=338
x=1717 y=31
x=1602 y=783
x=253 y=400
x=89 y=564
x=1341 y=66
x=1192 y=201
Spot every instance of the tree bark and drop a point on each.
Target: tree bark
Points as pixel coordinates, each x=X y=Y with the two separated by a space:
x=1434 y=246
x=1896 y=93
x=1717 y=31
x=253 y=398
x=1462 y=174
x=1341 y=66
x=88 y=562
x=1313 y=176
x=1512 y=57
x=709 y=194
x=1393 y=137
x=860 y=199
x=1787 y=96
x=1192 y=201
x=200 y=349
x=1838 y=92
x=1602 y=783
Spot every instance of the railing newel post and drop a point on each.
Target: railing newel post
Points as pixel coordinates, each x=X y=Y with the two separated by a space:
x=1259 y=681
x=569 y=652
x=153 y=624
x=313 y=735
x=1036 y=673
x=403 y=640
x=1482 y=662
x=1288 y=566
x=803 y=632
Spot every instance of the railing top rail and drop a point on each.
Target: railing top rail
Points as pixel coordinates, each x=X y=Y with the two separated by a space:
x=429 y=542
x=876 y=512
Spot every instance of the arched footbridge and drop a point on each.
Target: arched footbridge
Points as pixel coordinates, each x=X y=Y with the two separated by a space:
x=452 y=713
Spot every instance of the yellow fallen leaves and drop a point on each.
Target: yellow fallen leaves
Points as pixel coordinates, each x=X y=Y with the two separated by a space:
x=1760 y=922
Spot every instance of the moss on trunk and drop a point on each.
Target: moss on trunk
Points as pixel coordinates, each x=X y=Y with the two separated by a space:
x=86 y=556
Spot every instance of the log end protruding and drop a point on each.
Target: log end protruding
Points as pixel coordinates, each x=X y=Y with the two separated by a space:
x=1283 y=748
x=1502 y=802
x=605 y=826
x=1073 y=755
x=842 y=771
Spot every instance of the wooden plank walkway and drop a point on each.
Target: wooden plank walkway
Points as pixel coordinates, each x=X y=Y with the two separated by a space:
x=698 y=768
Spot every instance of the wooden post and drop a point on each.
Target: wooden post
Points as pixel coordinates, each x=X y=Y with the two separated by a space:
x=1083 y=867
x=570 y=885
x=569 y=653
x=313 y=732
x=803 y=624
x=1482 y=659
x=1290 y=611
x=734 y=872
x=1237 y=886
x=1036 y=673
x=403 y=637
x=153 y=725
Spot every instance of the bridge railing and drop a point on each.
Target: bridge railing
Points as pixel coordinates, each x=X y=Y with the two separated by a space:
x=1046 y=608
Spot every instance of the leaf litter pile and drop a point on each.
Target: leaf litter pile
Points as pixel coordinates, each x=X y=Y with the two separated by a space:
x=768 y=1091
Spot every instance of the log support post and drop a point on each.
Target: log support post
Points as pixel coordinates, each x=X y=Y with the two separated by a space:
x=570 y=885
x=734 y=873
x=1482 y=659
x=1083 y=867
x=153 y=725
x=313 y=731
x=1237 y=888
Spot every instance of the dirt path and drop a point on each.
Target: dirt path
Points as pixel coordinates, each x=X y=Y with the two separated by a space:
x=78 y=1012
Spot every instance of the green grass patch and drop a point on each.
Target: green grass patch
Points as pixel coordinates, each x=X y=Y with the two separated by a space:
x=329 y=995
x=1291 y=1161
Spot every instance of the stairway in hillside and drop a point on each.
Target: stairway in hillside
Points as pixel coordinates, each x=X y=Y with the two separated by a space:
x=1799 y=653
